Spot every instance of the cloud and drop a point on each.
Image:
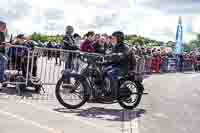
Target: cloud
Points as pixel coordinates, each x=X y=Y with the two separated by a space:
x=13 y=10
x=107 y=20
x=181 y=7
x=53 y=14
x=151 y=18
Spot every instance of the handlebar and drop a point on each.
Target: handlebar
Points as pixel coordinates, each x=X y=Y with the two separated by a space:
x=98 y=59
x=91 y=58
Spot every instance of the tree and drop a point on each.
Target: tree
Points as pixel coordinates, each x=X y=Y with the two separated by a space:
x=44 y=38
x=189 y=47
x=138 y=40
x=198 y=37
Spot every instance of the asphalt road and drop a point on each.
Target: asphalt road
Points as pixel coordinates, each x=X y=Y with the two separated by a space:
x=172 y=106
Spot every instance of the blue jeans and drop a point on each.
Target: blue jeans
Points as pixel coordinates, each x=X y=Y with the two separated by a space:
x=113 y=73
x=3 y=66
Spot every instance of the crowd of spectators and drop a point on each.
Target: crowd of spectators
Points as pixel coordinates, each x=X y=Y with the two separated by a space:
x=157 y=60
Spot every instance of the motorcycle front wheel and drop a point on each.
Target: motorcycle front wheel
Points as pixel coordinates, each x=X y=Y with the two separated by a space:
x=76 y=89
x=135 y=98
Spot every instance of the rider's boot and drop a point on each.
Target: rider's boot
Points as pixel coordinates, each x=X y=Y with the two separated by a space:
x=114 y=89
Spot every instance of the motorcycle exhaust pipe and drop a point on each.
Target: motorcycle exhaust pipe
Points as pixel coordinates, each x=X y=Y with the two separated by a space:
x=143 y=93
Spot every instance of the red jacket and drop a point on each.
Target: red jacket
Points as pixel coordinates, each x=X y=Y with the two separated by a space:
x=87 y=46
x=194 y=60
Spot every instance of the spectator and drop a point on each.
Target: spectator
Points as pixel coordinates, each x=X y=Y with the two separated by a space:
x=30 y=45
x=99 y=46
x=58 y=46
x=198 y=62
x=69 y=44
x=97 y=37
x=108 y=45
x=156 y=61
x=154 y=50
x=149 y=52
x=20 y=55
x=2 y=39
x=16 y=53
x=105 y=35
x=194 y=62
x=143 y=50
x=87 y=45
x=3 y=59
x=49 y=45
x=148 y=61
x=77 y=39
x=164 y=63
x=181 y=60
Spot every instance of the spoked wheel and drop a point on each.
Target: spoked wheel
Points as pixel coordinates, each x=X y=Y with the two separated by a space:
x=3 y=85
x=132 y=102
x=71 y=95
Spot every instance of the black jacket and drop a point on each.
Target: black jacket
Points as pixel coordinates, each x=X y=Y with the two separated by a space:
x=69 y=42
x=119 y=56
x=2 y=39
x=99 y=48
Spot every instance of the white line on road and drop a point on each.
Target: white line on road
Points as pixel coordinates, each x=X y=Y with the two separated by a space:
x=130 y=122
x=51 y=130
x=195 y=75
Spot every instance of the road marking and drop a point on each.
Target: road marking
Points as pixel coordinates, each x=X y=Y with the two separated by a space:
x=130 y=122
x=72 y=117
x=195 y=75
x=51 y=130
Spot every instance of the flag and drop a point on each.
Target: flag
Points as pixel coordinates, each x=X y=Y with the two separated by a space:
x=179 y=38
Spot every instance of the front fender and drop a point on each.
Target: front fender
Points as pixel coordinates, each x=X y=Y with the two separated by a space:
x=68 y=73
x=83 y=79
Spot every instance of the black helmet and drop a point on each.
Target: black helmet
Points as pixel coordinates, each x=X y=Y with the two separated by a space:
x=119 y=35
x=20 y=36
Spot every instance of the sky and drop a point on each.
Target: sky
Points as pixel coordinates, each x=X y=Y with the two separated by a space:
x=156 y=19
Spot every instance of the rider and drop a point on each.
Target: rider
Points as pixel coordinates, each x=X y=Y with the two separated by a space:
x=117 y=60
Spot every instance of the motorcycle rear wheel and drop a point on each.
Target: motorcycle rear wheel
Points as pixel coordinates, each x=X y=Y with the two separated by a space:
x=126 y=103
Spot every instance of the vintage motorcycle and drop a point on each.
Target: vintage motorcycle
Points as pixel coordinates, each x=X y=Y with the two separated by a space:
x=92 y=84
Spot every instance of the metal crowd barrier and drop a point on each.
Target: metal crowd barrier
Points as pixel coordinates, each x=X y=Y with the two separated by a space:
x=140 y=68
x=14 y=65
x=188 y=65
x=148 y=61
x=164 y=65
x=42 y=65
x=52 y=62
x=171 y=65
